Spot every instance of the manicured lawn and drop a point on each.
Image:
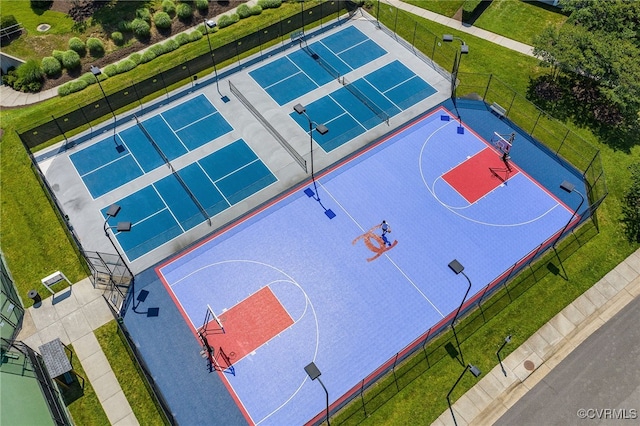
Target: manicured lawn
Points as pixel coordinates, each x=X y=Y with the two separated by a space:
x=532 y=17
x=447 y=8
x=131 y=378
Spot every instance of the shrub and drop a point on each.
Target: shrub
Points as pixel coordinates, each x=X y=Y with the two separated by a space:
x=182 y=38
x=147 y=56
x=72 y=87
x=170 y=45
x=202 y=5
x=117 y=38
x=95 y=46
x=136 y=57
x=184 y=11
x=269 y=4
x=125 y=26
x=256 y=10
x=7 y=21
x=51 y=66
x=70 y=59
x=631 y=206
x=243 y=11
x=226 y=20
x=29 y=76
x=169 y=7
x=41 y=4
x=77 y=45
x=144 y=14
x=158 y=49
x=195 y=35
x=140 y=28
x=162 y=20
x=58 y=54
x=110 y=70
x=89 y=78
x=125 y=65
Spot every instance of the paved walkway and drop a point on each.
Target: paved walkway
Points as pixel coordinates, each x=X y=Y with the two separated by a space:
x=72 y=315
x=494 y=394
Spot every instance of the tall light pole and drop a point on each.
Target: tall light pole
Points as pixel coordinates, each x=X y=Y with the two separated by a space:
x=464 y=50
x=113 y=211
x=314 y=373
x=215 y=69
x=476 y=373
x=96 y=72
x=320 y=128
x=457 y=267
x=569 y=187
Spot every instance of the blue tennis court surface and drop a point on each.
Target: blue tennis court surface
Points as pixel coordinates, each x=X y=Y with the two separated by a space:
x=298 y=73
x=163 y=210
x=353 y=301
x=108 y=164
x=392 y=88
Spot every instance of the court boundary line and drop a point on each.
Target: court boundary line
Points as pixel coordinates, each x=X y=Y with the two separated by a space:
x=194 y=122
x=224 y=197
x=367 y=38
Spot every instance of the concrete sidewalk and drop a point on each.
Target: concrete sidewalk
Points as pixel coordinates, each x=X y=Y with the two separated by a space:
x=71 y=316
x=494 y=394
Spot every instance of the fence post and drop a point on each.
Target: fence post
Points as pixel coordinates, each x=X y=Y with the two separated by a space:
x=424 y=348
x=395 y=379
x=364 y=408
x=486 y=90
x=66 y=142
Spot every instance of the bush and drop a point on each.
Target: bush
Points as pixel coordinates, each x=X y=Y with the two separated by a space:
x=140 y=28
x=182 y=38
x=226 y=20
x=29 y=76
x=125 y=65
x=269 y=4
x=147 y=56
x=77 y=45
x=631 y=206
x=58 y=54
x=256 y=10
x=243 y=11
x=195 y=35
x=162 y=20
x=72 y=87
x=110 y=70
x=51 y=66
x=169 y=7
x=7 y=21
x=125 y=26
x=70 y=59
x=136 y=57
x=157 y=49
x=41 y=4
x=95 y=46
x=117 y=38
x=184 y=11
x=89 y=78
x=202 y=5
x=170 y=45
x=144 y=14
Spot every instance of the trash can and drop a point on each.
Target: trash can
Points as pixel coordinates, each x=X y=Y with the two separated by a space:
x=33 y=295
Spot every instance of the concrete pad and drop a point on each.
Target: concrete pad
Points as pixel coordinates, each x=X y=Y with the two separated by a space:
x=34 y=341
x=536 y=376
x=633 y=261
x=467 y=409
x=96 y=366
x=76 y=325
x=440 y=420
x=97 y=313
x=563 y=325
x=28 y=327
x=106 y=386
x=54 y=331
x=573 y=314
x=85 y=292
x=66 y=305
x=460 y=421
x=479 y=398
x=606 y=289
x=518 y=356
x=494 y=384
x=584 y=305
x=44 y=315
x=512 y=397
x=117 y=407
x=584 y=332
x=617 y=280
x=615 y=306
x=86 y=346
x=628 y=269
x=549 y=333
x=129 y=420
x=634 y=287
x=595 y=297
x=521 y=372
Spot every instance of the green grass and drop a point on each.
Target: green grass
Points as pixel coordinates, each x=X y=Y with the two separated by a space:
x=532 y=17
x=447 y=8
x=131 y=378
x=83 y=403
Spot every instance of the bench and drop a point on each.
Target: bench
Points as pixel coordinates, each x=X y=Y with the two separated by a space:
x=500 y=111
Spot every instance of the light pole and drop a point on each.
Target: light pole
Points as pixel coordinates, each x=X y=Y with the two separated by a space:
x=506 y=340
x=215 y=69
x=569 y=187
x=464 y=50
x=456 y=267
x=96 y=72
x=320 y=128
x=314 y=373
x=113 y=211
x=476 y=373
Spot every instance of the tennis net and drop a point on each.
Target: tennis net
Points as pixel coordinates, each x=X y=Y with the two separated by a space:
x=173 y=171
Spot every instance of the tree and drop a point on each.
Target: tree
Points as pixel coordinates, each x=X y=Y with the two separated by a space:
x=631 y=206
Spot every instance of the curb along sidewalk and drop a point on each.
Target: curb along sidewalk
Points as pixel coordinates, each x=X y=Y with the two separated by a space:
x=72 y=315
x=494 y=394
